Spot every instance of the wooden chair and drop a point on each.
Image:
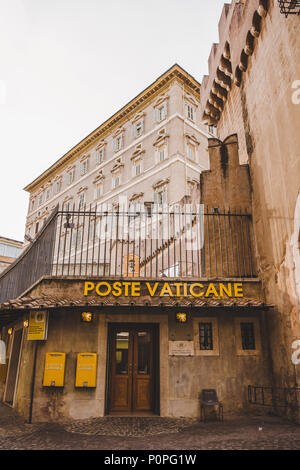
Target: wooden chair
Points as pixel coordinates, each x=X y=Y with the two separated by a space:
x=209 y=398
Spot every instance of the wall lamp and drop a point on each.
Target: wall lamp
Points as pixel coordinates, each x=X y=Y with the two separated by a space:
x=86 y=317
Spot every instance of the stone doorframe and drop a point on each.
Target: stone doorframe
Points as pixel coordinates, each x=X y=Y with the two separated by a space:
x=162 y=321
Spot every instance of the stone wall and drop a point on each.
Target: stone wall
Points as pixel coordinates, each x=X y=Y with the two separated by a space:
x=264 y=111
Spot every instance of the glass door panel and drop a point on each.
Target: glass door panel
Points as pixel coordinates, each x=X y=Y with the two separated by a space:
x=121 y=351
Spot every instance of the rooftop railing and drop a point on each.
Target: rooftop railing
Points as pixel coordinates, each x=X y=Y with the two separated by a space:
x=154 y=242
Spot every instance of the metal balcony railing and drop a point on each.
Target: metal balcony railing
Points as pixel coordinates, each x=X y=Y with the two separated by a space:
x=164 y=243
x=174 y=242
x=276 y=397
x=289 y=7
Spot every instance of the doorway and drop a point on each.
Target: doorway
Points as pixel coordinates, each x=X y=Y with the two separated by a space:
x=133 y=368
x=13 y=367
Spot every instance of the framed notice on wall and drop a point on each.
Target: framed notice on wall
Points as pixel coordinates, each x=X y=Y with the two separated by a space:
x=37 y=326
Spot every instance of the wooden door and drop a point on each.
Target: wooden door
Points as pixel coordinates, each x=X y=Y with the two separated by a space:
x=131 y=384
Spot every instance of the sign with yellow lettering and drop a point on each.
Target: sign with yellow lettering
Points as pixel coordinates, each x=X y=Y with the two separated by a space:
x=162 y=289
x=38 y=325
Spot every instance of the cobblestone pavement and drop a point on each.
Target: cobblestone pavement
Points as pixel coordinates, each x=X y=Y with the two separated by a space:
x=238 y=433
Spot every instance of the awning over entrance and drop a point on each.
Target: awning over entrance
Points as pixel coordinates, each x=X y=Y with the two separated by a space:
x=47 y=302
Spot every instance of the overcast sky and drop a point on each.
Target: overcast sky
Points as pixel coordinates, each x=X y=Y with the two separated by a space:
x=68 y=65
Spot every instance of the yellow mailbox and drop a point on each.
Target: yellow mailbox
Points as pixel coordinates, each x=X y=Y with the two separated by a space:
x=54 y=372
x=86 y=370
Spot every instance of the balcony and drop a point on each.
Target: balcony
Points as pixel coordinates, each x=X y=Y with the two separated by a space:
x=163 y=242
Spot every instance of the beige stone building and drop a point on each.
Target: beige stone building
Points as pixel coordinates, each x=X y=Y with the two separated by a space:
x=9 y=251
x=153 y=149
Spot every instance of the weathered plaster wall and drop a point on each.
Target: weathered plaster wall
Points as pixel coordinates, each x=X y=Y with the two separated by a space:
x=265 y=113
x=228 y=373
x=181 y=378
x=65 y=334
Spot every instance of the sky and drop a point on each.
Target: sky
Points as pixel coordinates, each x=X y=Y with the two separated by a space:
x=68 y=65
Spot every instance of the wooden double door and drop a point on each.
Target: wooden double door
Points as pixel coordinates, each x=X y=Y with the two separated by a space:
x=132 y=368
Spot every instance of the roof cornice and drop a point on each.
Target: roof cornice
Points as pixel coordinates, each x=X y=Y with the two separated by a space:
x=115 y=121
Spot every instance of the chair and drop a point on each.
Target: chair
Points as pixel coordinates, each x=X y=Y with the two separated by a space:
x=209 y=398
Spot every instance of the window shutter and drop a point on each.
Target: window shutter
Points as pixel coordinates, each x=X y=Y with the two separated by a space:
x=133 y=130
x=165 y=110
x=114 y=144
x=142 y=125
x=155 y=197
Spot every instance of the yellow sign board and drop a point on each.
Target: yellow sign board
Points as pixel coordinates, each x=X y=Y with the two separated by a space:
x=54 y=372
x=170 y=289
x=38 y=326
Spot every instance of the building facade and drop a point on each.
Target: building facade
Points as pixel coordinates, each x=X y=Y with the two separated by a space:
x=135 y=304
x=9 y=251
x=153 y=149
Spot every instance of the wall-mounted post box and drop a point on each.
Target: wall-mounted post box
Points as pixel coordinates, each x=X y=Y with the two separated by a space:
x=54 y=373
x=86 y=370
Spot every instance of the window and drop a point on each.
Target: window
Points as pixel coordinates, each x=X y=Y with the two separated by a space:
x=116 y=181
x=57 y=186
x=160 y=113
x=84 y=167
x=48 y=194
x=99 y=156
x=137 y=167
x=248 y=336
x=212 y=130
x=10 y=251
x=68 y=206
x=206 y=336
x=206 y=333
x=40 y=200
x=190 y=112
x=98 y=190
x=118 y=143
x=173 y=271
x=36 y=228
x=160 y=197
x=191 y=151
x=81 y=201
x=138 y=128
x=71 y=176
x=161 y=153
x=32 y=205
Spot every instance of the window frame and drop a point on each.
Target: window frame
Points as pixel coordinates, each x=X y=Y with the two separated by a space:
x=84 y=167
x=238 y=336
x=215 y=336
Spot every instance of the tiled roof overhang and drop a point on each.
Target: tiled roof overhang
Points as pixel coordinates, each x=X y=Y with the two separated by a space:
x=50 y=302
